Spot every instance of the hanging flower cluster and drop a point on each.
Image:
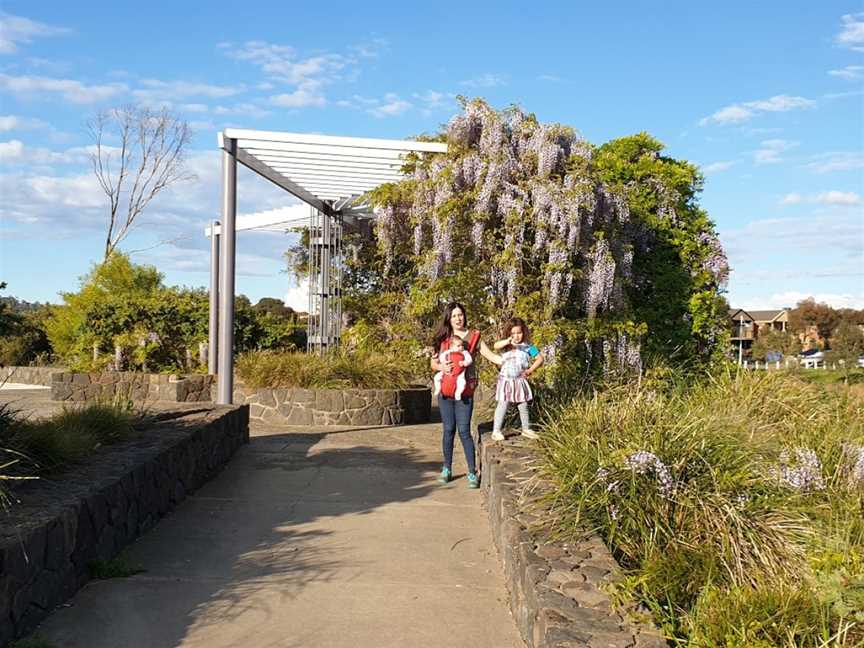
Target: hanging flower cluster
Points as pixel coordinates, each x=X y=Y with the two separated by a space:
x=523 y=203
x=800 y=470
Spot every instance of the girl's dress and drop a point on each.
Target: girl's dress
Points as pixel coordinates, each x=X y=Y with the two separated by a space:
x=512 y=386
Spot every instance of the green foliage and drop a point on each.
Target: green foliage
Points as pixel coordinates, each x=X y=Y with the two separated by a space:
x=627 y=200
x=117 y=567
x=127 y=305
x=32 y=642
x=770 y=340
x=29 y=448
x=722 y=549
x=334 y=370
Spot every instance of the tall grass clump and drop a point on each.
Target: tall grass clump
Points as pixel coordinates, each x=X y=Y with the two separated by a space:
x=334 y=370
x=33 y=447
x=734 y=503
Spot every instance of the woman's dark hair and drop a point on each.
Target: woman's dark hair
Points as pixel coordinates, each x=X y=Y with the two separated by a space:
x=445 y=330
x=518 y=321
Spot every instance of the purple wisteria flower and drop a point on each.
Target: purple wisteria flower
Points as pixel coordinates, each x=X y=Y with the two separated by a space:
x=800 y=470
x=644 y=462
x=601 y=278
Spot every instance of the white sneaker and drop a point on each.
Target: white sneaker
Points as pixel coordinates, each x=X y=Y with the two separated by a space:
x=530 y=434
x=497 y=436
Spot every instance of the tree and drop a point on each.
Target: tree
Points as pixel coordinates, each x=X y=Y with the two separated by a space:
x=784 y=342
x=593 y=245
x=847 y=344
x=138 y=152
x=819 y=316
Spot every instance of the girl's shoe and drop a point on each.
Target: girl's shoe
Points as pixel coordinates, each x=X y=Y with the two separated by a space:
x=530 y=434
x=497 y=436
x=473 y=480
x=445 y=476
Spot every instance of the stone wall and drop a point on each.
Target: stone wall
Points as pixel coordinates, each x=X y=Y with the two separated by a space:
x=61 y=525
x=295 y=406
x=29 y=375
x=554 y=586
x=136 y=386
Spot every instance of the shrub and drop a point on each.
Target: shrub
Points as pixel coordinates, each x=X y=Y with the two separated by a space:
x=733 y=484
x=333 y=370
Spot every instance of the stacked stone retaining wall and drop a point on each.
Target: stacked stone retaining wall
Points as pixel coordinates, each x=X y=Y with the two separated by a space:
x=62 y=525
x=29 y=375
x=135 y=386
x=555 y=587
x=295 y=406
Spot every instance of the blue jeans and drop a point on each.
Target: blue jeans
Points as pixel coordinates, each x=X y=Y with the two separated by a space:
x=457 y=414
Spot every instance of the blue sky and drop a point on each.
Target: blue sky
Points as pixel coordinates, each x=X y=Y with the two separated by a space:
x=768 y=98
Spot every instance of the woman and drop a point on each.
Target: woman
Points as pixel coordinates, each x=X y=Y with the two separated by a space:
x=456 y=413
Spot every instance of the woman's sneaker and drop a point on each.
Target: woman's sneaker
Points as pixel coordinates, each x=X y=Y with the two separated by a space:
x=530 y=434
x=473 y=480
x=445 y=476
x=497 y=436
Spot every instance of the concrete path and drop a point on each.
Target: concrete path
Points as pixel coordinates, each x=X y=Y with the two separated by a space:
x=307 y=539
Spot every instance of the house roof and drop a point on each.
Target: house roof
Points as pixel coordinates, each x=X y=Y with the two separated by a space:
x=767 y=315
x=736 y=313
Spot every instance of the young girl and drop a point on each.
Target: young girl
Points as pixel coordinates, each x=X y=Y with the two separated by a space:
x=519 y=360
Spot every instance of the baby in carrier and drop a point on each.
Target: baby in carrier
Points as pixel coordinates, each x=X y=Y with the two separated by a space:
x=453 y=383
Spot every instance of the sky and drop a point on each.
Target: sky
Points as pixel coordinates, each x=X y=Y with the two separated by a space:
x=767 y=98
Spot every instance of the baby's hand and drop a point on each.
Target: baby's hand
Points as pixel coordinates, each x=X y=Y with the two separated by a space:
x=463 y=363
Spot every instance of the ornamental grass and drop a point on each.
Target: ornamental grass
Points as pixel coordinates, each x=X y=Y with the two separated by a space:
x=333 y=370
x=29 y=448
x=734 y=503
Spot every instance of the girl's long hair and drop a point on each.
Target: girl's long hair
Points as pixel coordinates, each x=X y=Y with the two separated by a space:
x=518 y=321
x=445 y=330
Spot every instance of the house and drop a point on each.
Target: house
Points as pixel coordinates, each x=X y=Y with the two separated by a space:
x=746 y=326
x=743 y=332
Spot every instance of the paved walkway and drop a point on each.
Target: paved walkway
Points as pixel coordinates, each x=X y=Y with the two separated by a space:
x=307 y=539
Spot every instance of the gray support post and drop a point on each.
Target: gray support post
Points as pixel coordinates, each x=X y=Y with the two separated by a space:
x=213 y=332
x=225 y=389
x=324 y=272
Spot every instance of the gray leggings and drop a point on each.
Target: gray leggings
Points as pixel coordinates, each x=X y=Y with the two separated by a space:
x=501 y=412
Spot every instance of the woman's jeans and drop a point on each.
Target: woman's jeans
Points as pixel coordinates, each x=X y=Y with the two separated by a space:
x=457 y=414
x=501 y=412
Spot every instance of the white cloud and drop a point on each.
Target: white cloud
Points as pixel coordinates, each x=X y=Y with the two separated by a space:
x=11 y=150
x=852 y=33
x=836 y=161
x=306 y=95
x=832 y=198
x=741 y=112
x=154 y=90
x=769 y=151
x=487 y=80
x=297 y=297
x=838 y=231
x=718 y=167
x=850 y=72
x=13 y=122
x=392 y=106
x=551 y=78
x=15 y=30
x=69 y=89
x=791 y=298
x=246 y=109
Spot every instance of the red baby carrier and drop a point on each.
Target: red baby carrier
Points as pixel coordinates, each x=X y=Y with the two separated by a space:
x=448 y=380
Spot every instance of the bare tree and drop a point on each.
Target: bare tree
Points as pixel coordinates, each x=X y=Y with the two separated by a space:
x=139 y=152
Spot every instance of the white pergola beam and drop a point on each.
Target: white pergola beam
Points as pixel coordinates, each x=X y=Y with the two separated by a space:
x=298 y=175
x=356 y=154
x=310 y=159
x=244 y=135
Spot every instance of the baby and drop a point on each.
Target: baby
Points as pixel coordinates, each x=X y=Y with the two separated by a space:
x=459 y=356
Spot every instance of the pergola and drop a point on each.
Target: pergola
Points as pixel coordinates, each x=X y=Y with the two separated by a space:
x=328 y=174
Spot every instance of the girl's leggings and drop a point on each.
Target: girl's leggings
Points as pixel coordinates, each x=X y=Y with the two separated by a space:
x=501 y=412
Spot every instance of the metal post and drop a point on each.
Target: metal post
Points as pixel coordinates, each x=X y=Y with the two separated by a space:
x=213 y=333
x=224 y=392
x=324 y=272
